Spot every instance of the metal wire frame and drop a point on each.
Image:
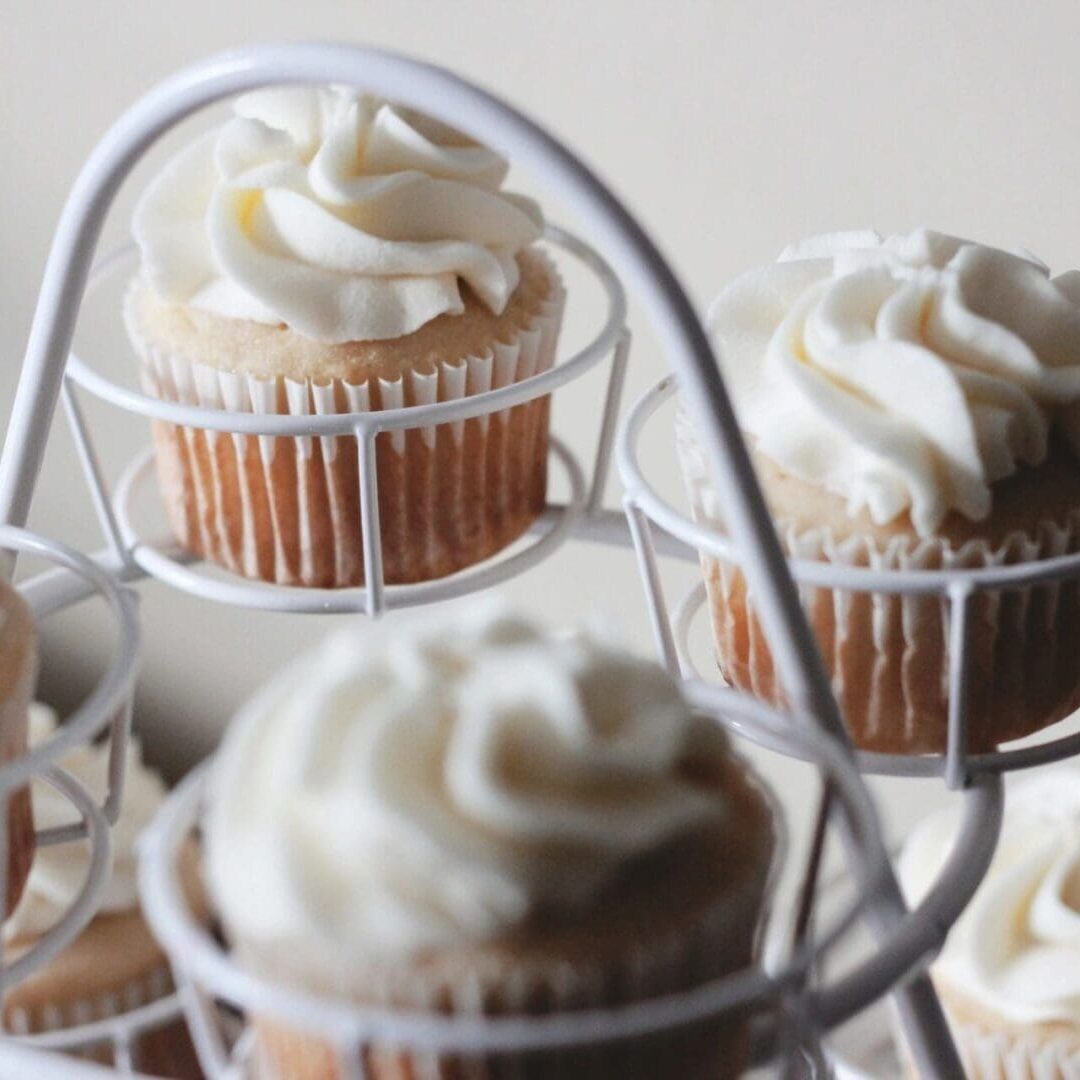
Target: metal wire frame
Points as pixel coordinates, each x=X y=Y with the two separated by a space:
x=107 y=705
x=163 y=560
x=119 y=1033
x=207 y=974
x=957 y=588
x=452 y=99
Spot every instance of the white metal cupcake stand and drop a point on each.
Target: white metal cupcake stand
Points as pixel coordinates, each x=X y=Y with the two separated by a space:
x=792 y=1000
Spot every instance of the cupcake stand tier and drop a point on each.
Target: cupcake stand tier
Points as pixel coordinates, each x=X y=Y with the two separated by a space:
x=793 y=1004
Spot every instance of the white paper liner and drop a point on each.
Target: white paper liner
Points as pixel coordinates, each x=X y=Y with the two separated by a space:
x=287 y=509
x=887 y=654
x=720 y=941
x=665 y=967
x=989 y=1054
x=60 y=1015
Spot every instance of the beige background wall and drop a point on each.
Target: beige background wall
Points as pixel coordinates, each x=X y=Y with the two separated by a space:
x=729 y=128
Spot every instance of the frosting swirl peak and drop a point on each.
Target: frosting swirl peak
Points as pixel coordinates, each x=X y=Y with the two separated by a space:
x=340 y=215
x=441 y=785
x=904 y=374
x=1016 y=949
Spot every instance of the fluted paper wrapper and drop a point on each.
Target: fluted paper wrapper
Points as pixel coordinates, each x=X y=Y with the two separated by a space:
x=287 y=510
x=709 y=1050
x=162 y=1051
x=1002 y=1054
x=990 y=1055
x=888 y=654
x=14 y=720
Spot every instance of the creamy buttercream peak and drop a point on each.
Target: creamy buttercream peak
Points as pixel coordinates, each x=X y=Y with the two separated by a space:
x=445 y=782
x=334 y=213
x=903 y=373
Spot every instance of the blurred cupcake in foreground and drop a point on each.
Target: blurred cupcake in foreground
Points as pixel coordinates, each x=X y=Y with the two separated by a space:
x=322 y=252
x=911 y=402
x=476 y=817
x=114 y=965
x=18 y=674
x=1009 y=974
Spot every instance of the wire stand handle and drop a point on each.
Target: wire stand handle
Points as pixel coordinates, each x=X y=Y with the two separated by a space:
x=449 y=98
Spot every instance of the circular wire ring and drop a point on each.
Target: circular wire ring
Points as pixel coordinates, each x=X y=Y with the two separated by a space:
x=201 y=961
x=85 y=905
x=642 y=496
x=345 y=423
x=113 y=690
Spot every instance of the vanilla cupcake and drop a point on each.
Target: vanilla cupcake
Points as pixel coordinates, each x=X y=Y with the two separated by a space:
x=473 y=817
x=114 y=965
x=18 y=673
x=1009 y=974
x=321 y=252
x=910 y=403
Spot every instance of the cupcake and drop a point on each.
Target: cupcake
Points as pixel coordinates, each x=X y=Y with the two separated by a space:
x=910 y=403
x=1009 y=973
x=18 y=672
x=321 y=252
x=474 y=817
x=114 y=965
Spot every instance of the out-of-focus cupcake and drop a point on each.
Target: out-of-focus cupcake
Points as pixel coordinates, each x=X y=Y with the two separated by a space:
x=114 y=965
x=321 y=252
x=910 y=403
x=18 y=673
x=478 y=818
x=1009 y=974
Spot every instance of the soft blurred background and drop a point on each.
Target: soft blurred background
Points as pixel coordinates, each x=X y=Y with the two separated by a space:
x=729 y=129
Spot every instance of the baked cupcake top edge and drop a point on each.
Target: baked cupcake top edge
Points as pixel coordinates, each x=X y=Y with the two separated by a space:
x=904 y=374
x=450 y=783
x=335 y=213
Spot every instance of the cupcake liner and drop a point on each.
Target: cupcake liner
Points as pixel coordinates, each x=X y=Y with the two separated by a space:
x=888 y=654
x=287 y=510
x=705 y=1050
x=58 y=1015
x=995 y=1055
x=160 y=1051
x=1001 y=1053
x=633 y=948
x=14 y=712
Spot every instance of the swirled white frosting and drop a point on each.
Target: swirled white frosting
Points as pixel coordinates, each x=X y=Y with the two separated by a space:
x=443 y=783
x=905 y=373
x=1016 y=949
x=58 y=871
x=335 y=213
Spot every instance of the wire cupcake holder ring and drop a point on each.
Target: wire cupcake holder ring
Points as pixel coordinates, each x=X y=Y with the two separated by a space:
x=210 y=977
x=906 y=942
x=106 y=707
x=957 y=588
x=134 y=555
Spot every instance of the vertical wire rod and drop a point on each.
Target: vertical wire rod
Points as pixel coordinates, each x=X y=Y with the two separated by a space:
x=802 y=1032
x=203 y=1023
x=370 y=532
x=123 y=1059
x=641 y=534
x=960 y=597
x=95 y=478
x=612 y=408
x=118 y=745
